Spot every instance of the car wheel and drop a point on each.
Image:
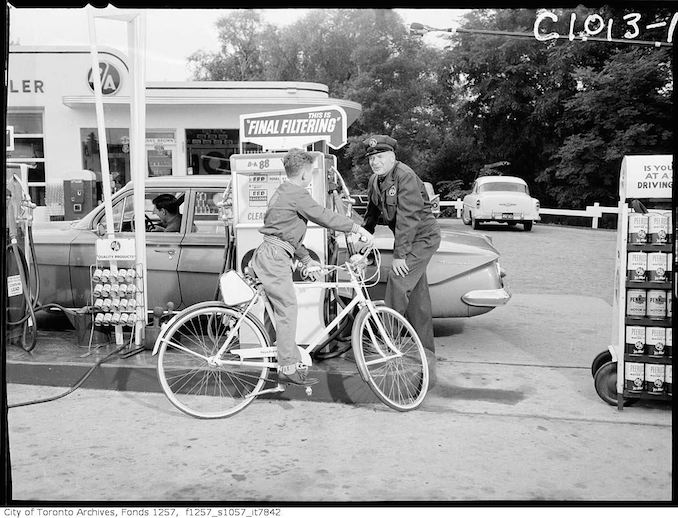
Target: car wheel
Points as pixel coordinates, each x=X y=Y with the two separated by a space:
x=475 y=224
x=605 y=382
x=527 y=225
x=465 y=218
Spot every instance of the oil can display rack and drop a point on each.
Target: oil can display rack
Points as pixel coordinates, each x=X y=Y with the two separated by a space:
x=639 y=363
x=115 y=294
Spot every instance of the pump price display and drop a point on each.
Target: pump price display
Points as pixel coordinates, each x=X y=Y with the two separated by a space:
x=264 y=164
x=256 y=190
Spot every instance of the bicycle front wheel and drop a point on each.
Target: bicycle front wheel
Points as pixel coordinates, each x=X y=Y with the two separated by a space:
x=189 y=376
x=392 y=362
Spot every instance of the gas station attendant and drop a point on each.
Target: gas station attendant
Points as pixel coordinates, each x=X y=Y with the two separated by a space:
x=398 y=194
x=289 y=209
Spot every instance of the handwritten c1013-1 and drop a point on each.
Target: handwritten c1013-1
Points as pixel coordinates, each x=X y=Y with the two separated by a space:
x=656 y=32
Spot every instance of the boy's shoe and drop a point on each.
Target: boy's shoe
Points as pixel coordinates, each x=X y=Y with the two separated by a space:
x=297 y=377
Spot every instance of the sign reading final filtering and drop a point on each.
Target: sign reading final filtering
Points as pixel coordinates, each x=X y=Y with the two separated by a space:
x=295 y=128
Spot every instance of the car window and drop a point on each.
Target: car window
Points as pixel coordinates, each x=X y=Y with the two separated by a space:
x=123 y=211
x=503 y=186
x=206 y=212
x=153 y=221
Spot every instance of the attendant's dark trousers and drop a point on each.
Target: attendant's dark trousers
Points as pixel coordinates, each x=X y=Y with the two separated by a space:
x=409 y=294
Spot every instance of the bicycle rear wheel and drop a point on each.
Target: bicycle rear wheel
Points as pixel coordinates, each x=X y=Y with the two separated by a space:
x=398 y=375
x=197 y=386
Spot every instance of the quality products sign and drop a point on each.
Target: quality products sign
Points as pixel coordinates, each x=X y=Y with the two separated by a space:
x=295 y=128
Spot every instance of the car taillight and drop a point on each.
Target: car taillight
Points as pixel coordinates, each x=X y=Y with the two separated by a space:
x=477 y=204
x=536 y=204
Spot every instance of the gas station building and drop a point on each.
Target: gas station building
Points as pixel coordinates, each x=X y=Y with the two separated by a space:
x=191 y=126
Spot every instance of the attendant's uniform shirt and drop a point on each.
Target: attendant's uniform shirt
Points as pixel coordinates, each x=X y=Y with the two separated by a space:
x=289 y=210
x=401 y=198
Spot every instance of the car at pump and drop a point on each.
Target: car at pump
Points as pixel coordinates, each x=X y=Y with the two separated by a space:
x=500 y=199
x=464 y=275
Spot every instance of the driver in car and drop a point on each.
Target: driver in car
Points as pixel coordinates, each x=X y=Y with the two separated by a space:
x=166 y=206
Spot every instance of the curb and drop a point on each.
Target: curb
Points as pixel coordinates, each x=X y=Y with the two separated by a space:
x=58 y=362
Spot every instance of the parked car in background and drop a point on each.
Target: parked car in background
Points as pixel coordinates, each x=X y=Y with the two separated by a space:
x=502 y=199
x=183 y=267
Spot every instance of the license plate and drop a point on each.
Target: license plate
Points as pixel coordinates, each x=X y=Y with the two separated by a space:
x=507 y=215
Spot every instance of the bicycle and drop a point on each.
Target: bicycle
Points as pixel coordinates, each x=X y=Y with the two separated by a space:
x=214 y=357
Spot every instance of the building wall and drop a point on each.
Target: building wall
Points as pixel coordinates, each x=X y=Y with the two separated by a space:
x=54 y=81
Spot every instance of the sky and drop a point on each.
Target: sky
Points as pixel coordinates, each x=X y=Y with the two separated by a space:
x=171 y=34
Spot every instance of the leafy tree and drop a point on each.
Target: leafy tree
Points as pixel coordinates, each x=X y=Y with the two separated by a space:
x=563 y=113
x=622 y=108
x=242 y=34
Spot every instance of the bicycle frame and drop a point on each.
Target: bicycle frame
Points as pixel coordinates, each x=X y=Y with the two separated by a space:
x=360 y=298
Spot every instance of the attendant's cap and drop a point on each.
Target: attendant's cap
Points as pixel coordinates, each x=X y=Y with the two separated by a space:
x=378 y=144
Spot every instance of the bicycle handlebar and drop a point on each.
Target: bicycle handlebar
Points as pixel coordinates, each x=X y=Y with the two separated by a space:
x=355 y=263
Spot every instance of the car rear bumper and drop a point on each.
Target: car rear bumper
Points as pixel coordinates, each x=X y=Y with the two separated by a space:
x=487 y=298
x=507 y=216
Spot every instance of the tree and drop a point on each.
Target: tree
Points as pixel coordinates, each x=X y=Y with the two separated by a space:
x=242 y=35
x=563 y=113
x=365 y=55
x=622 y=108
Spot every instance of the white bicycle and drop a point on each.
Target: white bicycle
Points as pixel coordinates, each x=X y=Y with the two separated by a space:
x=214 y=358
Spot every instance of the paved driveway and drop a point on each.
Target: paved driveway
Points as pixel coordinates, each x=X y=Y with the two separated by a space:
x=514 y=416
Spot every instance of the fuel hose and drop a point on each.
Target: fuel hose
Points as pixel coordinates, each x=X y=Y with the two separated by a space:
x=77 y=384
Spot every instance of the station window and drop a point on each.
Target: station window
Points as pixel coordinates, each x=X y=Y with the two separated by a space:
x=160 y=153
x=117 y=141
x=29 y=148
x=208 y=150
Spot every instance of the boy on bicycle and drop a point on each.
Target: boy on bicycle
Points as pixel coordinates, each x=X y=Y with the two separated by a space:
x=289 y=209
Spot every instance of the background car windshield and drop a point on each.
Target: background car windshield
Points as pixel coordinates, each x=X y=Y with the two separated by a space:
x=503 y=186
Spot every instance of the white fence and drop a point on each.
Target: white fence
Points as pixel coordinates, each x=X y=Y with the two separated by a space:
x=595 y=211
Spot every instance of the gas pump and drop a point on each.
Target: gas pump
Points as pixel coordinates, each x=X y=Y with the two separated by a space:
x=21 y=298
x=80 y=194
x=255 y=177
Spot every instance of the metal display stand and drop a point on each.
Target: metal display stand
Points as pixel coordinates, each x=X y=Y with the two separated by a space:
x=116 y=295
x=644 y=277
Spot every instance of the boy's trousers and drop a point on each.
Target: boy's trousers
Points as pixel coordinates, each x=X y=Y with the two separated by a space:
x=273 y=266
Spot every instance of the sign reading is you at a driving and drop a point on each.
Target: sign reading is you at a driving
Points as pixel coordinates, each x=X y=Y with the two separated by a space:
x=295 y=128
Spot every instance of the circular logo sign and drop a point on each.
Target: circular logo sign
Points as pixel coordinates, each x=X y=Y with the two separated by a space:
x=110 y=78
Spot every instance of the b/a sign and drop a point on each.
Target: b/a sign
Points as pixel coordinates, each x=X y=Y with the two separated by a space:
x=110 y=78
